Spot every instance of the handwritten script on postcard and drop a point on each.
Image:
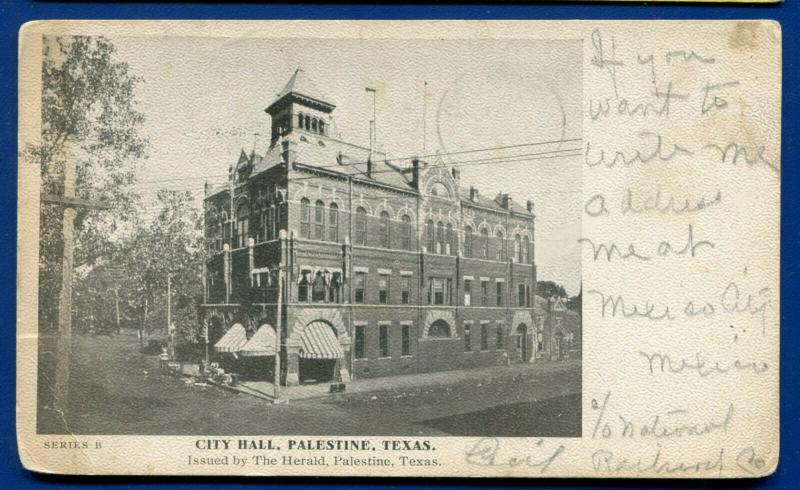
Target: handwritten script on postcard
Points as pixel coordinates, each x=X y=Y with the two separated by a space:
x=680 y=247
x=677 y=141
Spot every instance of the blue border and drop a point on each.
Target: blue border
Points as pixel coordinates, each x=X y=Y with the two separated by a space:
x=13 y=13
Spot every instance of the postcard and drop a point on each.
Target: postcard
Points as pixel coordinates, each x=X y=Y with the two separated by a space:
x=399 y=248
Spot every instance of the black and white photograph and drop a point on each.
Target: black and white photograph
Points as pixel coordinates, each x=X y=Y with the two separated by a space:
x=330 y=237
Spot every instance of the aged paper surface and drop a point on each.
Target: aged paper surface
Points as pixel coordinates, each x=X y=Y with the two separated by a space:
x=399 y=248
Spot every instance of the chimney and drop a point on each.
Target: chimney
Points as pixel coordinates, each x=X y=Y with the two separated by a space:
x=415 y=173
x=506 y=201
x=369 y=167
x=473 y=194
x=530 y=206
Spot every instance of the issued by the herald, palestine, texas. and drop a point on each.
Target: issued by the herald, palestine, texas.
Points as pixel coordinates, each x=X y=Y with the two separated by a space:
x=449 y=248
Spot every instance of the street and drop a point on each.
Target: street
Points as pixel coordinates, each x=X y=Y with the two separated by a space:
x=115 y=390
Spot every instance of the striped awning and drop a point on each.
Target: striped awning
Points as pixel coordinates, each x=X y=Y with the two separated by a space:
x=319 y=342
x=233 y=340
x=262 y=343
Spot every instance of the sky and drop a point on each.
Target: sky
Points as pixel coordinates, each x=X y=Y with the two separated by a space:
x=204 y=101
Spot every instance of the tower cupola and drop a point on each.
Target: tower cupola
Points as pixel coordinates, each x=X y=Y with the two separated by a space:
x=300 y=106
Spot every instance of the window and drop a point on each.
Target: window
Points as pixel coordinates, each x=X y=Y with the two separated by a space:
x=437 y=287
x=384 y=229
x=520 y=295
x=430 y=243
x=305 y=218
x=314 y=125
x=526 y=250
x=439 y=329
x=242 y=222
x=334 y=290
x=467 y=337
x=383 y=289
x=361 y=334
x=405 y=290
x=319 y=220
x=468 y=242
x=467 y=292
x=405 y=232
x=333 y=222
x=501 y=246
x=528 y=295
x=484 y=293
x=440 y=238
x=539 y=342
x=302 y=288
x=361 y=226
x=518 y=250
x=360 y=286
x=484 y=337
x=405 y=342
x=500 y=339
x=500 y=300
x=318 y=289
x=300 y=120
x=321 y=127
x=384 y=340
x=485 y=243
x=451 y=241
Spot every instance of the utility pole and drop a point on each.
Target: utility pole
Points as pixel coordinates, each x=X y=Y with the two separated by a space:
x=373 y=129
x=63 y=349
x=170 y=330
x=278 y=335
x=424 y=118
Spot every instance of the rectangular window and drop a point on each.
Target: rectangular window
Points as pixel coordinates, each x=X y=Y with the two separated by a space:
x=383 y=290
x=361 y=333
x=467 y=292
x=500 y=338
x=438 y=291
x=484 y=337
x=405 y=290
x=360 y=286
x=467 y=338
x=405 y=345
x=500 y=300
x=527 y=295
x=521 y=295
x=484 y=293
x=384 y=340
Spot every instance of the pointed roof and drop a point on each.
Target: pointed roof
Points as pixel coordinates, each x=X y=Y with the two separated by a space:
x=301 y=87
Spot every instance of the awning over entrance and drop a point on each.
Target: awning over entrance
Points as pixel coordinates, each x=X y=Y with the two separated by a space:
x=319 y=342
x=233 y=340
x=262 y=343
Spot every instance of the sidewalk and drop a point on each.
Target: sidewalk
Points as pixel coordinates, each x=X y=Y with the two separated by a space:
x=265 y=390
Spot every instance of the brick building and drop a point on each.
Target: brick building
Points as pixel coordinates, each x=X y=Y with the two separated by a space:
x=368 y=267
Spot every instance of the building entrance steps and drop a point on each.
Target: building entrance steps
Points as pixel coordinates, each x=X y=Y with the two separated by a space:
x=265 y=389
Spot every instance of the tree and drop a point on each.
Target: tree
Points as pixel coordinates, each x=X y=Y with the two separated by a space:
x=90 y=120
x=547 y=289
x=169 y=244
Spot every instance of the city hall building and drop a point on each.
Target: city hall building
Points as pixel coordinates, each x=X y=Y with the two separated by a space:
x=348 y=265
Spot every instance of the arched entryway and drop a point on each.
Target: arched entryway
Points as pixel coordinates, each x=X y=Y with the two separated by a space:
x=320 y=353
x=523 y=343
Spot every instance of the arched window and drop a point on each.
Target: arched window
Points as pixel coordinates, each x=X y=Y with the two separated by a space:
x=439 y=237
x=333 y=223
x=439 y=330
x=485 y=243
x=319 y=288
x=526 y=250
x=321 y=127
x=319 y=220
x=361 y=226
x=430 y=241
x=314 y=124
x=501 y=246
x=405 y=232
x=305 y=218
x=468 y=241
x=385 y=227
x=451 y=241
x=307 y=123
x=518 y=250
x=300 y=120
x=303 y=286
x=242 y=223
